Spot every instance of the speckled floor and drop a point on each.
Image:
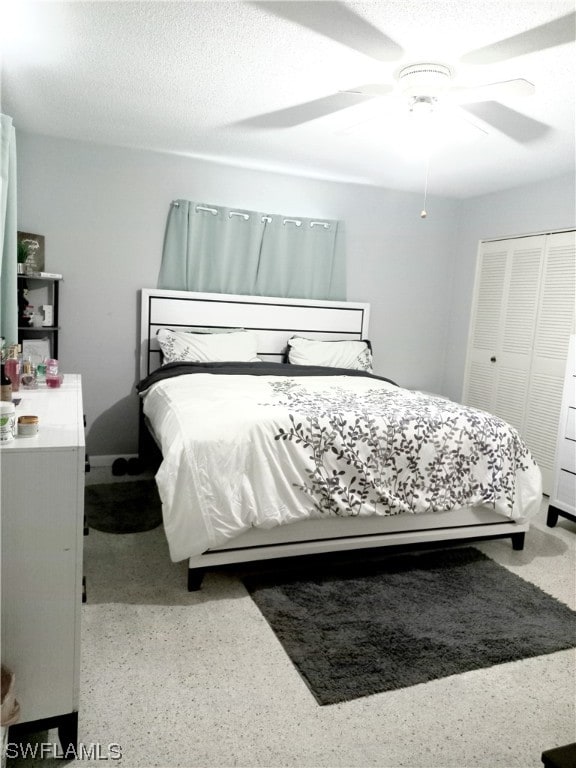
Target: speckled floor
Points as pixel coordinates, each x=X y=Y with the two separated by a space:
x=198 y=680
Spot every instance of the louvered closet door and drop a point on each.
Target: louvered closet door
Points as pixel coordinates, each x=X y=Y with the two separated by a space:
x=519 y=318
x=480 y=376
x=503 y=326
x=522 y=318
x=554 y=325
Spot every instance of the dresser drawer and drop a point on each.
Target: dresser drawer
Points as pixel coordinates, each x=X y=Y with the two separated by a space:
x=570 y=428
x=567 y=455
x=566 y=492
x=563 y=499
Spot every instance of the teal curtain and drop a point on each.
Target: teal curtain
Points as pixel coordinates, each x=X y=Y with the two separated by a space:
x=213 y=249
x=8 y=227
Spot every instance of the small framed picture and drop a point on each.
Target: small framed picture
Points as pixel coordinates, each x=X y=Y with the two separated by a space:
x=31 y=252
x=37 y=350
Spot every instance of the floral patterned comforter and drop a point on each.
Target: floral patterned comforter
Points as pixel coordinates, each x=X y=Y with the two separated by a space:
x=275 y=446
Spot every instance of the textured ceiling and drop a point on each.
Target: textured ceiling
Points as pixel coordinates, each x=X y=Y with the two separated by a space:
x=200 y=79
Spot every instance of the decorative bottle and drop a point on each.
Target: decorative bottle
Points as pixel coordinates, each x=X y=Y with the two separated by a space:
x=28 y=375
x=53 y=379
x=12 y=367
x=5 y=385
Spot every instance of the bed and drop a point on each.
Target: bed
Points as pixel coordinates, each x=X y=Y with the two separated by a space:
x=277 y=439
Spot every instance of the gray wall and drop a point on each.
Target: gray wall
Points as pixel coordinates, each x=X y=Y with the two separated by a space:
x=541 y=207
x=103 y=212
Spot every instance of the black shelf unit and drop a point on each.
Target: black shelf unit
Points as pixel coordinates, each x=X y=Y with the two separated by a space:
x=50 y=286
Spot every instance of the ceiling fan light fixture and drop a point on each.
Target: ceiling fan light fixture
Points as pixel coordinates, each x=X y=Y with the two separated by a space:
x=424 y=81
x=422 y=105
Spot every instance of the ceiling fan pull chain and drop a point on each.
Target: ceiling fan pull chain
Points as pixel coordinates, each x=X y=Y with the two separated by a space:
x=424 y=213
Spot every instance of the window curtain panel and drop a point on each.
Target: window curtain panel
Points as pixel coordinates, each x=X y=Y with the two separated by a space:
x=214 y=249
x=8 y=232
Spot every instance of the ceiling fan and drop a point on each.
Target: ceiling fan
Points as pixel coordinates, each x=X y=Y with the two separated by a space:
x=423 y=84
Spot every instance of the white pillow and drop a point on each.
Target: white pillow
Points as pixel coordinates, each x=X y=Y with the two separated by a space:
x=336 y=354
x=180 y=346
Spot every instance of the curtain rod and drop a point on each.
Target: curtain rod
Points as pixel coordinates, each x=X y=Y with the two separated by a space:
x=246 y=216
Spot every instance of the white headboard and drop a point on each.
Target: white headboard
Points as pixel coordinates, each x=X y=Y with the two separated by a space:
x=274 y=320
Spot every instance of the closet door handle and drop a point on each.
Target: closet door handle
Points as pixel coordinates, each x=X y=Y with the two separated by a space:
x=493 y=359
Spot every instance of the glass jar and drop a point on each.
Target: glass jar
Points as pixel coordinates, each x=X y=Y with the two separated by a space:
x=7 y=421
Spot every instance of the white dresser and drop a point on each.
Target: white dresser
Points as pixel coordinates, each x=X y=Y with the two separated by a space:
x=42 y=495
x=563 y=496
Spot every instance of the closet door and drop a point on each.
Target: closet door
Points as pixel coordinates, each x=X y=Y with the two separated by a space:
x=484 y=338
x=554 y=326
x=503 y=326
x=522 y=318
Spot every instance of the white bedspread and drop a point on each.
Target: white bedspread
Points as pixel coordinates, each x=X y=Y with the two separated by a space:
x=242 y=451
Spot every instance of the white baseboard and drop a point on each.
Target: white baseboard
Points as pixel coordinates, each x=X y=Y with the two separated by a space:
x=107 y=461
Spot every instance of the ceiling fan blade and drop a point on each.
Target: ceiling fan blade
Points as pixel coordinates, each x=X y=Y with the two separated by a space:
x=459 y=118
x=492 y=91
x=303 y=113
x=370 y=89
x=549 y=35
x=515 y=125
x=336 y=21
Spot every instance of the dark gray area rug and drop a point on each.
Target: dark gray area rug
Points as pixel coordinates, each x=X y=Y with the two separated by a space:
x=128 y=507
x=362 y=628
